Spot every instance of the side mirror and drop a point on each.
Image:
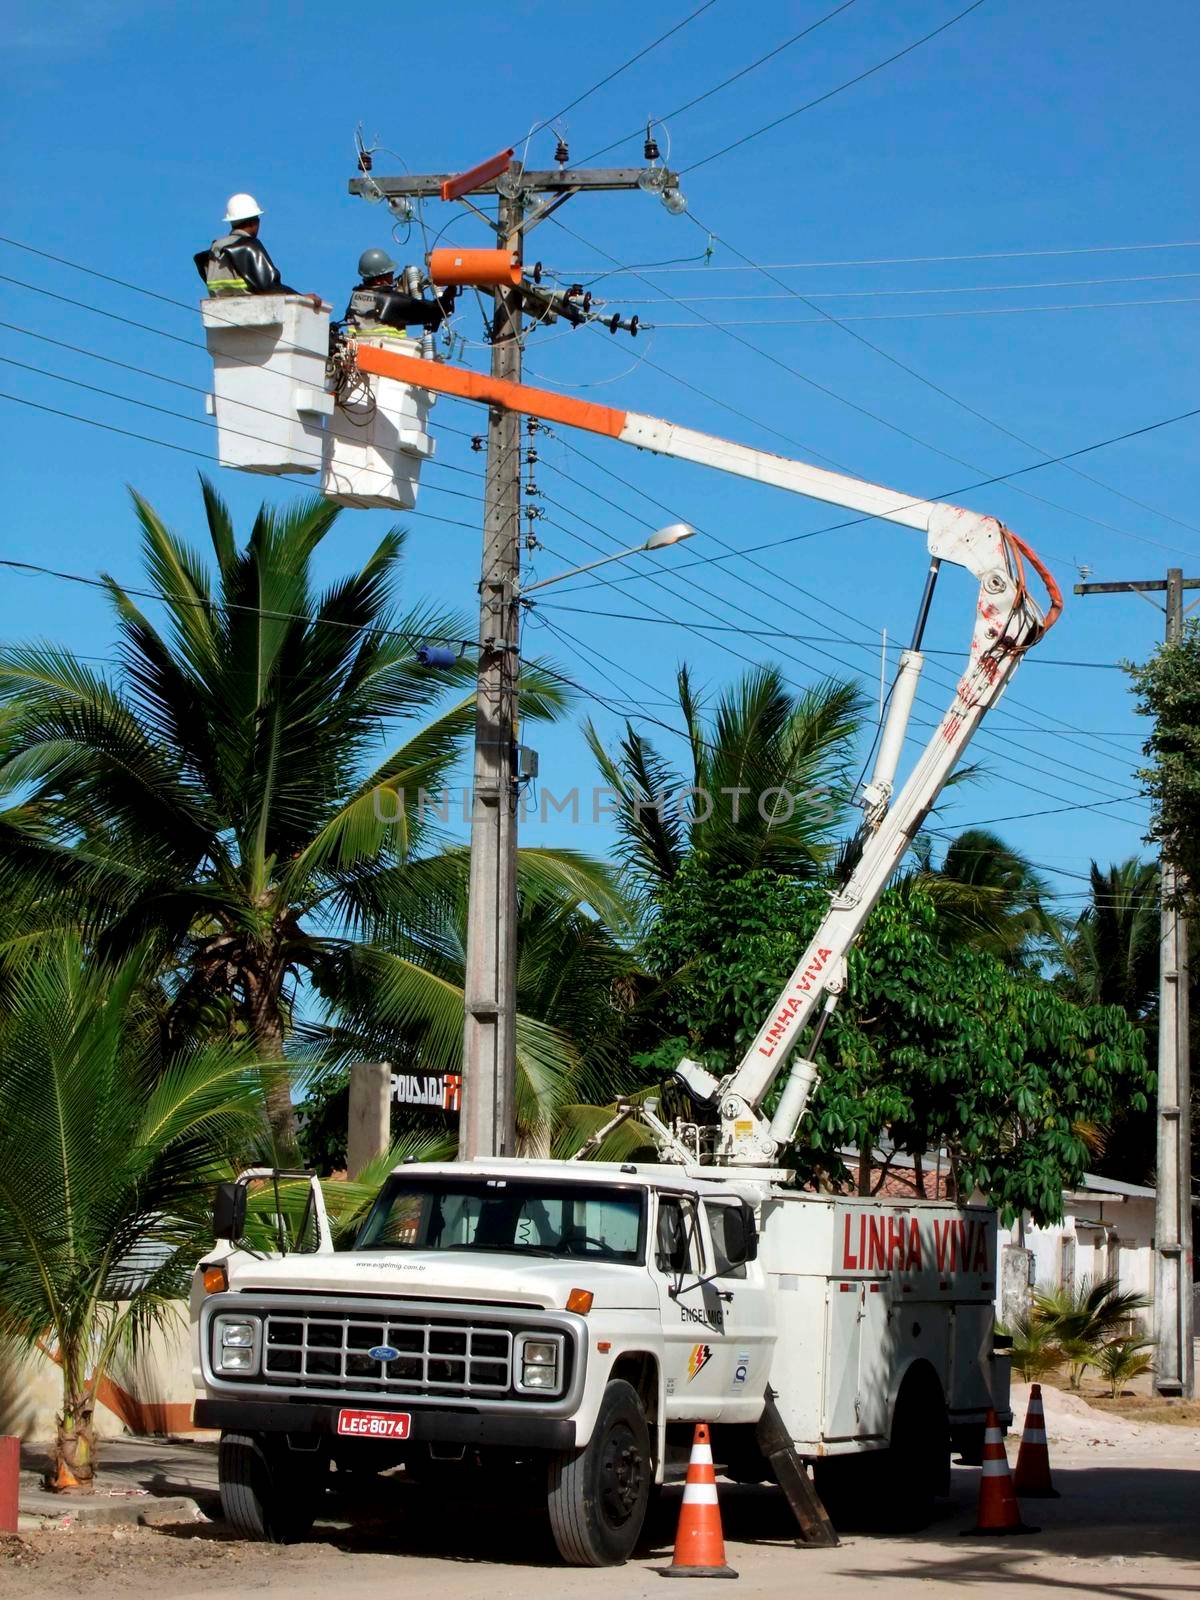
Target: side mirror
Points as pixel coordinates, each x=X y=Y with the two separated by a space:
x=229 y=1212
x=741 y=1235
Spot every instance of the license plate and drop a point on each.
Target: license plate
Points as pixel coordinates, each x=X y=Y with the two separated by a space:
x=375 y=1424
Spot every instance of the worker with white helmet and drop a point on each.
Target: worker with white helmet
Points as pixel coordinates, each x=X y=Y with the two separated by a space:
x=379 y=307
x=238 y=263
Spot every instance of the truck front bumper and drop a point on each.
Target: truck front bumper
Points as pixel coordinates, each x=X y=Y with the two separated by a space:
x=429 y=1425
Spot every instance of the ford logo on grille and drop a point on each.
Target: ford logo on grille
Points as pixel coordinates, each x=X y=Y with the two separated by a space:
x=383 y=1352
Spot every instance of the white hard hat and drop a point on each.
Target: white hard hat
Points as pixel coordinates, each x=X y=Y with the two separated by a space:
x=242 y=206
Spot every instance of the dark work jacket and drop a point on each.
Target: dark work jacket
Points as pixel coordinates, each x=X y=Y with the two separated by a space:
x=239 y=264
x=373 y=309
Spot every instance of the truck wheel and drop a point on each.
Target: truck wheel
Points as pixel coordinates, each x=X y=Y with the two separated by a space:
x=916 y=1466
x=267 y=1492
x=597 y=1496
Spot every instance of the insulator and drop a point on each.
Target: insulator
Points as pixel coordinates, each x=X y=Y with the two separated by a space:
x=561 y=154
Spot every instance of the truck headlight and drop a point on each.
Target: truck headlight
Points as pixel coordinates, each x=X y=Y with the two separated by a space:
x=539 y=1365
x=235 y=1344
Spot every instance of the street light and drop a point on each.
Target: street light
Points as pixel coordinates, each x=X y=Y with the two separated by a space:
x=671 y=534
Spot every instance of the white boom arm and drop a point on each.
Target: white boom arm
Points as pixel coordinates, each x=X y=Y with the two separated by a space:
x=1007 y=622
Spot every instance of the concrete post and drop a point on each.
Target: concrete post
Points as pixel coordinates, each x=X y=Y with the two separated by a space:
x=1016 y=1272
x=370 y=1122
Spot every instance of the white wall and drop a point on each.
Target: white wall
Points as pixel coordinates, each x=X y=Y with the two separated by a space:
x=1129 y=1220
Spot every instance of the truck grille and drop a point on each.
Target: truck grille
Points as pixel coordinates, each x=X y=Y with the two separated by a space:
x=432 y=1356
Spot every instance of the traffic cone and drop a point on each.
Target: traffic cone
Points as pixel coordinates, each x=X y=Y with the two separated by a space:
x=699 y=1542
x=999 y=1512
x=1032 y=1474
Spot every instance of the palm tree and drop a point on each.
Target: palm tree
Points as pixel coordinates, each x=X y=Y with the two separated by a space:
x=233 y=803
x=1080 y=1319
x=987 y=895
x=767 y=785
x=576 y=985
x=1111 y=954
x=108 y=1154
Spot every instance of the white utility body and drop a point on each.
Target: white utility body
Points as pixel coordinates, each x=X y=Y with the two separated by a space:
x=573 y=1319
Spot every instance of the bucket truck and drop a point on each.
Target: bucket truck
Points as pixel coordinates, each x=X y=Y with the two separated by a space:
x=564 y=1324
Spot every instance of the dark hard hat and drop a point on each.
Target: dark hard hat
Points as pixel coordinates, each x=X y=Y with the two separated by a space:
x=373 y=263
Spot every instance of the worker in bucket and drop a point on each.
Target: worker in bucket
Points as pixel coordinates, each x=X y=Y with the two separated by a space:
x=378 y=307
x=238 y=263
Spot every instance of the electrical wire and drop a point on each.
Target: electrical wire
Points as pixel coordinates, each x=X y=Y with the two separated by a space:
x=829 y=94
x=878 y=294
x=186 y=450
x=811 y=638
x=945 y=394
x=169 y=598
x=689 y=105
x=662 y=506
x=922 y=316
x=617 y=71
x=897 y=261
x=927 y=444
x=871 y=644
x=136 y=402
x=822 y=668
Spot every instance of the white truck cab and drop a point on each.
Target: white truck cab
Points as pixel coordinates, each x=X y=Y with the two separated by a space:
x=578 y=1318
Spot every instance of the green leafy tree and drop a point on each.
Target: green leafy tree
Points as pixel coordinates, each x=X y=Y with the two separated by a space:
x=233 y=803
x=928 y=1047
x=1168 y=690
x=108 y=1156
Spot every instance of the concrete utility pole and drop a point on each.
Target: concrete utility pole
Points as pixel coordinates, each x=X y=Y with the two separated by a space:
x=1174 y=1361
x=488 y=1123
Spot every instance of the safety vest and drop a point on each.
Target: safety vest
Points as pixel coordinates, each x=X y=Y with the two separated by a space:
x=219 y=274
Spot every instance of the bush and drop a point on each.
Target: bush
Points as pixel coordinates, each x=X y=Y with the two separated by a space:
x=1082 y=1321
x=1121 y=1360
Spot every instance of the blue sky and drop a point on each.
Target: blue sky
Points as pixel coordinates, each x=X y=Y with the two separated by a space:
x=1044 y=137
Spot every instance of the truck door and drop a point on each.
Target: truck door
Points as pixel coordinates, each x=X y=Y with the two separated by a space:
x=693 y=1314
x=749 y=1317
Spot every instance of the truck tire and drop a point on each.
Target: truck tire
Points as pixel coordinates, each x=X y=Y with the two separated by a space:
x=267 y=1492
x=916 y=1465
x=597 y=1496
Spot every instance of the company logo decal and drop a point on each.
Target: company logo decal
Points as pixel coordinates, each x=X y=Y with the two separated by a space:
x=383 y=1352
x=741 y=1369
x=700 y=1356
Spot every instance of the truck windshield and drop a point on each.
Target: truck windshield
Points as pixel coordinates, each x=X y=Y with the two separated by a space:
x=521 y=1216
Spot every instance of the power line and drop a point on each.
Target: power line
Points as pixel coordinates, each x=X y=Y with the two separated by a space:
x=616 y=583
x=896 y=261
x=810 y=638
x=803 y=377
x=830 y=93
x=689 y=105
x=204 y=422
x=170 y=598
x=186 y=450
x=879 y=294
x=998 y=737
x=649 y=326
x=939 y=389
x=617 y=71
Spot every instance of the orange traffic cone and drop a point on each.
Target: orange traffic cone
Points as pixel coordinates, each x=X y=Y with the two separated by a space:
x=999 y=1512
x=699 y=1542
x=63 y=1479
x=1032 y=1475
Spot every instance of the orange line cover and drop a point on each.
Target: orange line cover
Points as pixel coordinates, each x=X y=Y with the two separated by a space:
x=444 y=379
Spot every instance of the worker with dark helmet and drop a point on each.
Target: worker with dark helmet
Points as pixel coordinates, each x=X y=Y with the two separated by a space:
x=378 y=307
x=238 y=263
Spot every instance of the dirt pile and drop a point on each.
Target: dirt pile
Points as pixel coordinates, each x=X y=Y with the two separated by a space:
x=1075 y=1426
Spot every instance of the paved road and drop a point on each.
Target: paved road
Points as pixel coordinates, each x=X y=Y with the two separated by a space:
x=1125 y=1532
